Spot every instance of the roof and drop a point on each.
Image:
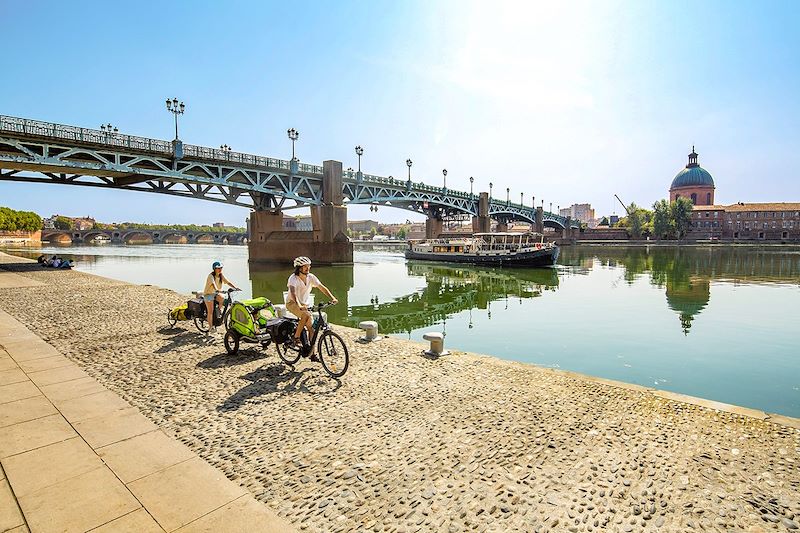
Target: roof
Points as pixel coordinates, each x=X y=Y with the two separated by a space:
x=741 y=206
x=693 y=176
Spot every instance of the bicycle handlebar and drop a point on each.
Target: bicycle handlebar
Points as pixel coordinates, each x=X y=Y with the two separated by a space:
x=320 y=306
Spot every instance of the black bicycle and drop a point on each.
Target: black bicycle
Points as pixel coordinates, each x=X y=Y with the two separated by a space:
x=331 y=348
x=200 y=311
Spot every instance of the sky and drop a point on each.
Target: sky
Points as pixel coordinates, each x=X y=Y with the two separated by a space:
x=570 y=102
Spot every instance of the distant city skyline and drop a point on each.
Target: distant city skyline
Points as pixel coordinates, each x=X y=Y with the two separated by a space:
x=571 y=103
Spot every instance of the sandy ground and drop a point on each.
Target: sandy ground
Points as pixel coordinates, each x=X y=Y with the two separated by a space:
x=408 y=443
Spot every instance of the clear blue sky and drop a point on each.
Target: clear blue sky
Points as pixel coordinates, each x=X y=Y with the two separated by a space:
x=570 y=102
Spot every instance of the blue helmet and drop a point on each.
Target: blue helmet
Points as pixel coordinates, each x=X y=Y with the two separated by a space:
x=216 y=264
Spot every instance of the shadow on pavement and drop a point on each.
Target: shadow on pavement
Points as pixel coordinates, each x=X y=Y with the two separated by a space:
x=223 y=359
x=278 y=379
x=182 y=338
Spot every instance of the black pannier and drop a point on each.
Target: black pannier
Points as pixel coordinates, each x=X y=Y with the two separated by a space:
x=195 y=307
x=280 y=329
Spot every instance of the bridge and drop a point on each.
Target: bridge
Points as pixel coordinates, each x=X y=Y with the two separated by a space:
x=156 y=236
x=42 y=152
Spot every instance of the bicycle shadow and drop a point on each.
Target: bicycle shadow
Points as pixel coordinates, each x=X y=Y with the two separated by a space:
x=277 y=379
x=224 y=359
x=183 y=338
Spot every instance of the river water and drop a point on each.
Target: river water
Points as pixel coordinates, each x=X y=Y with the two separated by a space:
x=718 y=322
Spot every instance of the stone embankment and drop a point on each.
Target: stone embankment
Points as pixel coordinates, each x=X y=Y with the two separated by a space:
x=408 y=443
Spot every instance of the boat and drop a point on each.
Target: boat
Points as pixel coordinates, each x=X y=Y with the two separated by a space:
x=492 y=249
x=100 y=239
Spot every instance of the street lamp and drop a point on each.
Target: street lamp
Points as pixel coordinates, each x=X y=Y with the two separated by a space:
x=176 y=108
x=108 y=128
x=490 y=190
x=224 y=147
x=533 y=202
x=471 y=180
x=508 y=193
x=520 y=200
x=293 y=135
x=551 y=207
x=444 y=184
x=409 y=163
x=359 y=153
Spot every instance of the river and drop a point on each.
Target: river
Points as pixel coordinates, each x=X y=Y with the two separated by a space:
x=715 y=322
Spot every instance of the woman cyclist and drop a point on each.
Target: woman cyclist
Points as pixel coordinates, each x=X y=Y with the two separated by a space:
x=212 y=292
x=300 y=284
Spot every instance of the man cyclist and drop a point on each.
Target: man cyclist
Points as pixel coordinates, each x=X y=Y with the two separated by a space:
x=300 y=284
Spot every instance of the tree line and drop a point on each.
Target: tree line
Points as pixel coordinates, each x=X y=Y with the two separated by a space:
x=11 y=220
x=172 y=227
x=667 y=220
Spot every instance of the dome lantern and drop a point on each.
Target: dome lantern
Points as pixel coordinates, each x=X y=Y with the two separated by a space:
x=692 y=159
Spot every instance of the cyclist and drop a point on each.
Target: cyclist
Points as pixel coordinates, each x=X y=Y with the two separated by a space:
x=300 y=284
x=212 y=291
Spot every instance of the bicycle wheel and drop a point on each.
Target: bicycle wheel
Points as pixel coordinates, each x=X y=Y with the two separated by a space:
x=231 y=341
x=226 y=318
x=332 y=353
x=201 y=323
x=289 y=354
x=171 y=320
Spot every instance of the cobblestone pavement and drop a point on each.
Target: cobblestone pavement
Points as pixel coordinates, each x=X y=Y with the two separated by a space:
x=408 y=443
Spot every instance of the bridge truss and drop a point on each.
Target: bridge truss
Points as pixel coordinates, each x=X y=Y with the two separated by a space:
x=42 y=152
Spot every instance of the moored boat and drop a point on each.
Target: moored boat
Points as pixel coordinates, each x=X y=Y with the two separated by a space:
x=494 y=249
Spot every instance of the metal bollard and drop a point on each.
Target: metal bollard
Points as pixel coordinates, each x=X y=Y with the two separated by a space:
x=437 y=343
x=370 y=328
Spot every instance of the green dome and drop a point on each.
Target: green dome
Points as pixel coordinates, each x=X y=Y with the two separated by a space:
x=693 y=175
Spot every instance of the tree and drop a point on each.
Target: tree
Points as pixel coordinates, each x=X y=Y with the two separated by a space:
x=372 y=231
x=62 y=222
x=402 y=232
x=662 y=219
x=681 y=215
x=604 y=222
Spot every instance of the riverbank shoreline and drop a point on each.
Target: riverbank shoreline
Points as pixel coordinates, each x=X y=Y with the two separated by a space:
x=406 y=442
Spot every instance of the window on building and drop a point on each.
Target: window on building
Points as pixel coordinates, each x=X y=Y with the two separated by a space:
x=707 y=214
x=694 y=198
x=708 y=198
x=765 y=225
x=784 y=235
x=735 y=234
x=716 y=214
x=760 y=234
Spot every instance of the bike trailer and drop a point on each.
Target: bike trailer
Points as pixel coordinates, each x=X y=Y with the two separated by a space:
x=180 y=313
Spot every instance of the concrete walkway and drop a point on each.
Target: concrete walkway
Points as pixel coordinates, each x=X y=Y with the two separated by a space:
x=76 y=457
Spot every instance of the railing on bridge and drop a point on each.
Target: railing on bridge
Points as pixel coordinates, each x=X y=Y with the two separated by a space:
x=121 y=140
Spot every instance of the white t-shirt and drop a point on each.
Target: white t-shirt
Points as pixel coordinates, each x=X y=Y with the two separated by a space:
x=302 y=290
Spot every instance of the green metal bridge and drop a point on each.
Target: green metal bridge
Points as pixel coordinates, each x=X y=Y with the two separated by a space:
x=33 y=151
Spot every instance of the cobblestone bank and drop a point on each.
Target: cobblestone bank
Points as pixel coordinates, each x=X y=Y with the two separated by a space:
x=407 y=443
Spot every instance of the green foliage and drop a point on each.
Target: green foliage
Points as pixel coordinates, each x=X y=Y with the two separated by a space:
x=671 y=220
x=373 y=231
x=681 y=211
x=63 y=223
x=402 y=232
x=604 y=221
x=639 y=221
x=174 y=227
x=11 y=220
x=662 y=219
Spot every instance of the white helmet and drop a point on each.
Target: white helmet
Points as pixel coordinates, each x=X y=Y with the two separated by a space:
x=302 y=260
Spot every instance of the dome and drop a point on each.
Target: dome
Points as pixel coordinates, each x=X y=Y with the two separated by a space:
x=693 y=175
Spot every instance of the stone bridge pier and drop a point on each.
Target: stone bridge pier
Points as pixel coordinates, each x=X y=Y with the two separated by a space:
x=482 y=223
x=538 y=223
x=327 y=243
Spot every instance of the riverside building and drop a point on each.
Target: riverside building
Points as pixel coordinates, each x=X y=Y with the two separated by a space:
x=743 y=221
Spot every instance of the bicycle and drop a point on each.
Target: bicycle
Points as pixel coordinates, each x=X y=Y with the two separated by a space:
x=221 y=316
x=331 y=348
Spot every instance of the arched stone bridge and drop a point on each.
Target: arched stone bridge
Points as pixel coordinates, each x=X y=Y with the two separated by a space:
x=156 y=236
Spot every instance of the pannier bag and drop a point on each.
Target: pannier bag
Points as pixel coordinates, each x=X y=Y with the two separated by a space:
x=195 y=307
x=280 y=329
x=179 y=313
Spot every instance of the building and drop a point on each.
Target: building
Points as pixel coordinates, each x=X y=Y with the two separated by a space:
x=740 y=221
x=219 y=224
x=693 y=182
x=362 y=226
x=747 y=221
x=582 y=212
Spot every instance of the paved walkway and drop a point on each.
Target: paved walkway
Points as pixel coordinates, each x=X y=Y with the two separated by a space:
x=76 y=457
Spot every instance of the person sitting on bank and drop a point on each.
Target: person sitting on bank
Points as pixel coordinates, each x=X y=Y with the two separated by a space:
x=300 y=284
x=212 y=291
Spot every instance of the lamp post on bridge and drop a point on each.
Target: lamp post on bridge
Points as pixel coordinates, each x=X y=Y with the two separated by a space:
x=490 y=191
x=471 y=180
x=225 y=148
x=408 y=164
x=359 y=153
x=108 y=128
x=551 y=207
x=293 y=135
x=508 y=195
x=533 y=202
x=444 y=184
x=176 y=108
x=520 y=200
